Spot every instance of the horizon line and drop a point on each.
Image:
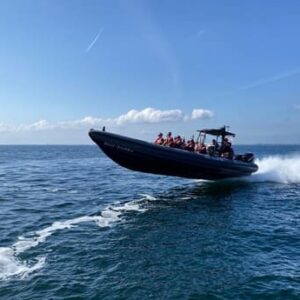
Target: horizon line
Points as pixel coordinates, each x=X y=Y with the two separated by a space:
x=93 y=144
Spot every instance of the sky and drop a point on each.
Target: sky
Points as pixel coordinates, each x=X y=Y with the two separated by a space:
x=141 y=67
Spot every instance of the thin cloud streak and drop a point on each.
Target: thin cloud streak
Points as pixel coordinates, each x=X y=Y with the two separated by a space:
x=271 y=79
x=263 y=81
x=91 y=45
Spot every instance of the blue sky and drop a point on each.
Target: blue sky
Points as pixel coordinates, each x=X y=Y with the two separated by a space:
x=67 y=66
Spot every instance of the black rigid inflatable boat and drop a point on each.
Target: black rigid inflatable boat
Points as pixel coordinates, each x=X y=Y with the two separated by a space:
x=147 y=157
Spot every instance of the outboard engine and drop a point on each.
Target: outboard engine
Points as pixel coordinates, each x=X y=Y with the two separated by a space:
x=248 y=157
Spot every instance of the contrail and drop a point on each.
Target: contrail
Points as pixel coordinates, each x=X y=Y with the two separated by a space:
x=91 y=45
x=263 y=81
x=274 y=78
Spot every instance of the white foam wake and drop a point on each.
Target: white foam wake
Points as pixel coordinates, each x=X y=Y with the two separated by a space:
x=282 y=169
x=12 y=266
x=107 y=217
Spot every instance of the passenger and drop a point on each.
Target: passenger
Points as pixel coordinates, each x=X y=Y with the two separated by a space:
x=202 y=148
x=178 y=142
x=159 y=140
x=213 y=148
x=223 y=145
x=197 y=147
x=183 y=145
x=169 y=140
x=226 y=149
x=175 y=141
x=190 y=146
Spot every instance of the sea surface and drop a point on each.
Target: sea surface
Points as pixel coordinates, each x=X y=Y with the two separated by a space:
x=74 y=225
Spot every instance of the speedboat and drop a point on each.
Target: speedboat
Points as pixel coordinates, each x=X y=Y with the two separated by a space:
x=138 y=155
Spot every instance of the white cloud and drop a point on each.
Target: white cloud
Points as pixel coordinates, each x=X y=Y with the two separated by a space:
x=7 y=127
x=148 y=115
x=84 y=122
x=199 y=113
x=39 y=125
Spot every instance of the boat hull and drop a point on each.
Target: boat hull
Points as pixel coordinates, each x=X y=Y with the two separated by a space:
x=146 y=157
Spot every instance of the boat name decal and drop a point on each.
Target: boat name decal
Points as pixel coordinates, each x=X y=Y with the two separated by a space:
x=118 y=147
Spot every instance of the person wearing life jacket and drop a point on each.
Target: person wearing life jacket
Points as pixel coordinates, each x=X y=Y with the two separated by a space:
x=197 y=147
x=226 y=149
x=169 y=140
x=159 y=140
x=178 y=142
x=200 y=148
x=214 y=148
x=190 y=146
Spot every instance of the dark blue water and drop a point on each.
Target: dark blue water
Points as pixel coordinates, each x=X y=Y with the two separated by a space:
x=74 y=225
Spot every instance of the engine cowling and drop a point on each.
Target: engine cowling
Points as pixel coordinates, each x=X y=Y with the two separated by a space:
x=246 y=157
